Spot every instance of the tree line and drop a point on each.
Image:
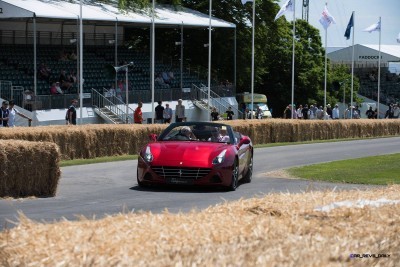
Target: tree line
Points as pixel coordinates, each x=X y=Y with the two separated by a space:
x=273 y=51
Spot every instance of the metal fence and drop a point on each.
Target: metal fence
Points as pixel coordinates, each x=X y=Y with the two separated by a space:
x=10 y=92
x=29 y=101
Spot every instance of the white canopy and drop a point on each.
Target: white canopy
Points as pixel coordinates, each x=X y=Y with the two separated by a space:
x=57 y=9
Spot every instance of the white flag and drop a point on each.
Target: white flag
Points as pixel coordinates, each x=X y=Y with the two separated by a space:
x=327 y=19
x=245 y=1
x=398 y=38
x=373 y=27
x=288 y=6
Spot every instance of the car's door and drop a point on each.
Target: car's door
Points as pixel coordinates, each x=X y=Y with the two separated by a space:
x=243 y=153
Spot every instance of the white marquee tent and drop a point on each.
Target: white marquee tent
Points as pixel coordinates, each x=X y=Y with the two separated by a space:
x=57 y=9
x=25 y=15
x=366 y=54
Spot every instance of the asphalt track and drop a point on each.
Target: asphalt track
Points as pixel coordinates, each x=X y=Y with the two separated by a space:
x=97 y=190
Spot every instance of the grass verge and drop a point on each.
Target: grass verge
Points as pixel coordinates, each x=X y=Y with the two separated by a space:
x=73 y=162
x=377 y=170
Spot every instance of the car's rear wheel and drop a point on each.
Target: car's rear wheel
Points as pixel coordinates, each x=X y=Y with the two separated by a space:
x=235 y=176
x=249 y=173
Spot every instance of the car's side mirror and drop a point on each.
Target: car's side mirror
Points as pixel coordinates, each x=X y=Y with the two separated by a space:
x=153 y=137
x=244 y=141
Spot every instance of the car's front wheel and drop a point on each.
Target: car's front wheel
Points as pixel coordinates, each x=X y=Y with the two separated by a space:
x=235 y=176
x=141 y=184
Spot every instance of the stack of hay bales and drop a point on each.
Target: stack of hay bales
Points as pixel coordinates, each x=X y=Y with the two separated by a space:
x=28 y=168
x=100 y=140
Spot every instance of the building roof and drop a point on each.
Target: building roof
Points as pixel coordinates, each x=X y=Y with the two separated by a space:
x=393 y=50
x=70 y=10
x=365 y=53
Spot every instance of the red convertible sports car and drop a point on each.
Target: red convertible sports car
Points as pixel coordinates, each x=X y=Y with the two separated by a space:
x=196 y=153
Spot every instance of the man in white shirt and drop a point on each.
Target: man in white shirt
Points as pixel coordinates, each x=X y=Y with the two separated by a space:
x=13 y=113
x=179 y=111
x=167 y=114
x=335 y=112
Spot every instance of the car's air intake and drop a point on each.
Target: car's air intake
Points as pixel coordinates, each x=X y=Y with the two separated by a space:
x=182 y=173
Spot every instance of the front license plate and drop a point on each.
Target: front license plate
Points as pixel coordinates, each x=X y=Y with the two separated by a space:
x=179 y=181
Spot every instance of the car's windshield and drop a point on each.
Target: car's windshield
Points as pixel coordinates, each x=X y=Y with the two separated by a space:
x=263 y=106
x=198 y=132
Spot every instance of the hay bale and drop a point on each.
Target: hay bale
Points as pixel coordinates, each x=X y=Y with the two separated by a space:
x=274 y=230
x=281 y=130
x=28 y=168
x=91 y=141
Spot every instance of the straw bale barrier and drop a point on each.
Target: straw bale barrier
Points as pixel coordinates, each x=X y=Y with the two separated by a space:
x=88 y=141
x=28 y=168
x=280 y=130
x=91 y=141
x=279 y=229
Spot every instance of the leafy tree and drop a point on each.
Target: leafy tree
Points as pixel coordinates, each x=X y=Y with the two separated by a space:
x=273 y=51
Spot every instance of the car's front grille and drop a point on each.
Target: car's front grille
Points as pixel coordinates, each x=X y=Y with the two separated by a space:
x=181 y=173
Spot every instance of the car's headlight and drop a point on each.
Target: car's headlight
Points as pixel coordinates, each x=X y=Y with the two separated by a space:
x=220 y=158
x=147 y=155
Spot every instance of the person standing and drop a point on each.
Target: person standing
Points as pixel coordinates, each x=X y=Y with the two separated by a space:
x=370 y=113
x=305 y=112
x=259 y=113
x=138 y=115
x=229 y=114
x=71 y=113
x=167 y=114
x=299 y=112
x=396 y=111
x=214 y=114
x=335 y=112
x=12 y=112
x=4 y=112
x=159 y=113
x=179 y=111
x=320 y=114
x=329 y=110
x=389 y=113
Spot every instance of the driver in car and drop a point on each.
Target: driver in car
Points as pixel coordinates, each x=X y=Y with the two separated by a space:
x=187 y=133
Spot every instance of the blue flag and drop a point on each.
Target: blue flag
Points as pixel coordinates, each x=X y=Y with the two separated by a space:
x=348 y=29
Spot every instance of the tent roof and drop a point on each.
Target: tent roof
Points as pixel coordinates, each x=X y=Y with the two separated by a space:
x=393 y=50
x=57 y=9
x=366 y=53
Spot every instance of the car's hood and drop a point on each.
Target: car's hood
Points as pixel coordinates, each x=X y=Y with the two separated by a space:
x=185 y=154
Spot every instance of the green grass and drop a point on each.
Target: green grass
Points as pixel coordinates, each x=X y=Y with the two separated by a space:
x=377 y=170
x=316 y=141
x=66 y=163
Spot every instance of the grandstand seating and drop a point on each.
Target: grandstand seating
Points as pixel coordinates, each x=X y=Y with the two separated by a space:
x=16 y=65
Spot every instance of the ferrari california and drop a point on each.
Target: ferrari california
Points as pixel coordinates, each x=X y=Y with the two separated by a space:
x=196 y=153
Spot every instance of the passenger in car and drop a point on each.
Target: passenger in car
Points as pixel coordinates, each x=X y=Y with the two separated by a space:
x=215 y=135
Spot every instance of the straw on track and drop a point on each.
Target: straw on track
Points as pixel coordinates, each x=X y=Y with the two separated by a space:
x=274 y=230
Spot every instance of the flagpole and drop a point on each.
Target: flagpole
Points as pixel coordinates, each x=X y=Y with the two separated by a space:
x=80 y=64
x=252 y=61
x=293 y=58
x=352 y=69
x=153 y=26
x=326 y=40
x=209 y=62
x=379 y=65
